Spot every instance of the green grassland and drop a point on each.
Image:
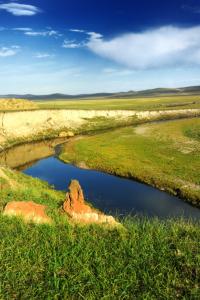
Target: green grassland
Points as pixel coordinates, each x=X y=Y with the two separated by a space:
x=146 y=103
x=165 y=155
x=150 y=259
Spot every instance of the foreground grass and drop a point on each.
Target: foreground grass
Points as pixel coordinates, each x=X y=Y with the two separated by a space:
x=150 y=259
x=165 y=155
x=154 y=103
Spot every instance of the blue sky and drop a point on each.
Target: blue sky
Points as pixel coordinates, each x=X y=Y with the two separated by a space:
x=86 y=46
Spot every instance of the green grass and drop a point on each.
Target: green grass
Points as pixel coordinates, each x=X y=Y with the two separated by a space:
x=193 y=132
x=150 y=259
x=160 y=154
x=154 y=103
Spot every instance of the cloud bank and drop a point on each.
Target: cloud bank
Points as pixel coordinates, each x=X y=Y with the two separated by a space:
x=18 y=9
x=161 y=47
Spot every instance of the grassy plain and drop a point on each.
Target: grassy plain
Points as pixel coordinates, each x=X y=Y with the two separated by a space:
x=165 y=155
x=154 y=103
x=151 y=259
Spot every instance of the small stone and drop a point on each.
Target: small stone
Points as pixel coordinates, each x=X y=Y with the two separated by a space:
x=29 y=211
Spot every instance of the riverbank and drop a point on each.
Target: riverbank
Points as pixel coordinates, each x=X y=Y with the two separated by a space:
x=27 y=126
x=155 y=259
x=164 y=155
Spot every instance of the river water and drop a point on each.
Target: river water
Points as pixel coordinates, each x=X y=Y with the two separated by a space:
x=108 y=193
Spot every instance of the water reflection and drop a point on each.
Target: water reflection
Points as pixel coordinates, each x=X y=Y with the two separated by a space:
x=23 y=156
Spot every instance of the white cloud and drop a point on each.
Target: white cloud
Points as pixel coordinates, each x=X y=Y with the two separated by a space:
x=91 y=34
x=72 y=44
x=9 y=51
x=165 y=46
x=43 y=55
x=43 y=33
x=77 y=30
x=94 y=35
x=18 y=9
x=22 y=29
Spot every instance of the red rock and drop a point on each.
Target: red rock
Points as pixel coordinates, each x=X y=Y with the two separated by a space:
x=29 y=211
x=75 y=202
x=76 y=207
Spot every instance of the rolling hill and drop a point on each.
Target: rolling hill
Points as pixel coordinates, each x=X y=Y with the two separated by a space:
x=191 y=90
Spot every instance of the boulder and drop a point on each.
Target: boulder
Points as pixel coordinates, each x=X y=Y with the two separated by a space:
x=76 y=207
x=75 y=202
x=29 y=211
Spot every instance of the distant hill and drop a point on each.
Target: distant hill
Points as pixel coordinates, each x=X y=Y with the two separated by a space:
x=56 y=96
x=191 y=90
x=159 y=92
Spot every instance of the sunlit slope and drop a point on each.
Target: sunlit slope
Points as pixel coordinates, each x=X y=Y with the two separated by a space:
x=16 y=104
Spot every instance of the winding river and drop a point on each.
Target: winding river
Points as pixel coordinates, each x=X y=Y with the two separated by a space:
x=109 y=193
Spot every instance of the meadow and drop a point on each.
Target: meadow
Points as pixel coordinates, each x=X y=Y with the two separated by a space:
x=163 y=154
x=146 y=103
x=147 y=259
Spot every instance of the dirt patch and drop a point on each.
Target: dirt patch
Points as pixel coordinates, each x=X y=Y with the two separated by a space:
x=141 y=130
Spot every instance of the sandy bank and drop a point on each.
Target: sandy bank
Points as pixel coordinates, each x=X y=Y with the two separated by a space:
x=26 y=124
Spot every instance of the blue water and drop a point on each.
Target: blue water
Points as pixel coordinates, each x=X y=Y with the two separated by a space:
x=113 y=194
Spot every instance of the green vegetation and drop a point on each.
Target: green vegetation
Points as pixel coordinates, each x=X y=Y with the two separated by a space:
x=146 y=103
x=159 y=154
x=193 y=132
x=151 y=259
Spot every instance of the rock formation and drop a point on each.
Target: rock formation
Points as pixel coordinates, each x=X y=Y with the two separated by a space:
x=29 y=211
x=76 y=207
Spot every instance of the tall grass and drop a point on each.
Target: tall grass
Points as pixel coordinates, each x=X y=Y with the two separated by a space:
x=149 y=260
